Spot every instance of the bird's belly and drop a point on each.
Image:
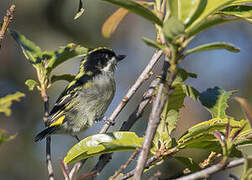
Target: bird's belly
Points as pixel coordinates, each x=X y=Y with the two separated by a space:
x=92 y=104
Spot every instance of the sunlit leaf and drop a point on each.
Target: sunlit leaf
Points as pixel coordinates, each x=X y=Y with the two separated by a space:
x=209 y=21
x=138 y=9
x=213 y=46
x=113 y=21
x=31 y=51
x=173 y=28
x=211 y=7
x=31 y=84
x=4 y=138
x=201 y=135
x=186 y=10
x=66 y=77
x=244 y=12
x=215 y=101
x=153 y=44
x=57 y=57
x=5 y=102
x=103 y=143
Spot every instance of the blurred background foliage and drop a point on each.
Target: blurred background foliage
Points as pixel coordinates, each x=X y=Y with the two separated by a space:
x=50 y=24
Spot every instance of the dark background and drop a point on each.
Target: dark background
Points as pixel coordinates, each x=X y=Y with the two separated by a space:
x=50 y=24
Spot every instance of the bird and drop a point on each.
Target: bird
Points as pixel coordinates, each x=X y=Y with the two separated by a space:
x=87 y=97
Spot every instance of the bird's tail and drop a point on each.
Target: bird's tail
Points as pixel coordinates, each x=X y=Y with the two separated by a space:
x=45 y=133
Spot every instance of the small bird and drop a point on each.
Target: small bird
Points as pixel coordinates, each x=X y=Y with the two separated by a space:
x=86 y=98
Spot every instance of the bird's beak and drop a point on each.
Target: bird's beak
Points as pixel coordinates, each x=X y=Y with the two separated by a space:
x=120 y=57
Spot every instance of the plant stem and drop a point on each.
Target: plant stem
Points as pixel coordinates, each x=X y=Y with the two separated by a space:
x=48 y=139
x=205 y=173
x=7 y=19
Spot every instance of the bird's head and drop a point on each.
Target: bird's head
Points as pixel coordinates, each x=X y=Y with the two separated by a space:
x=102 y=59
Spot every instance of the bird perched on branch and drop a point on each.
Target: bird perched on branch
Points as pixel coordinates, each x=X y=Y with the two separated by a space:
x=87 y=97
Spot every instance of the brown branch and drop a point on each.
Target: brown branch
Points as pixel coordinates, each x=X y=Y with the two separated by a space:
x=48 y=139
x=7 y=19
x=147 y=165
x=104 y=159
x=133 y=155
x=205 y=173
x=154 y=118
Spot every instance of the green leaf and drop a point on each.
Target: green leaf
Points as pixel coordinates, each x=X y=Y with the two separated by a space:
x=201 y=135
x=31 y=84
x=5 y=102
x=186 y=11
x=103 y=143
x=189 y=163
x=138 y=9
x=173 y=28
x=211 y=7
x=209 y=21
x=31 y=51
x=66 y=77
x=244 y=12
x=215 y=101
x=57 y=57
x=213 y=46
x=151 y=43
x=4 y=138
x=240 y=2
x=182 y=76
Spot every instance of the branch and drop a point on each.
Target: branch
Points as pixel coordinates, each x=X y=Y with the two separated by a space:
x=205 y=173
x=48 y=139
x=154 y=118
x=7 y=19
x=104 y=159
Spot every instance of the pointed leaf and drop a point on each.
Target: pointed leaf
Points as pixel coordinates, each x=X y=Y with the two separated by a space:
x=151 y=43
x=103 y=143
x=244 y=12
x=209 y=21
x=173 y=28
x=5 y=102
x=113 y=21
x=31 y=84
x=57 y=57
x=66 y=77
x=213 y=46
x=138 y=9
x=186 y=11
x=31 y=51
x=215 y=101
x=4 y=138
x=211 y=7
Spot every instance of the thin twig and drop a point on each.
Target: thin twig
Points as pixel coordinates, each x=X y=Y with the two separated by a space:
x=133 y=155
x=154 y=118
x=7 y=19
x=48 y=139
x=205 y=173
x=147 y=165
x=103 y=160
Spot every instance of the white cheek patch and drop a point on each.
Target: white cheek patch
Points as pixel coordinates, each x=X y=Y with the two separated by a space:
x=110 y=65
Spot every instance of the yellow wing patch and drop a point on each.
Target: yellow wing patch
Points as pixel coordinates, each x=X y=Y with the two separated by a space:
x=58 y=122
